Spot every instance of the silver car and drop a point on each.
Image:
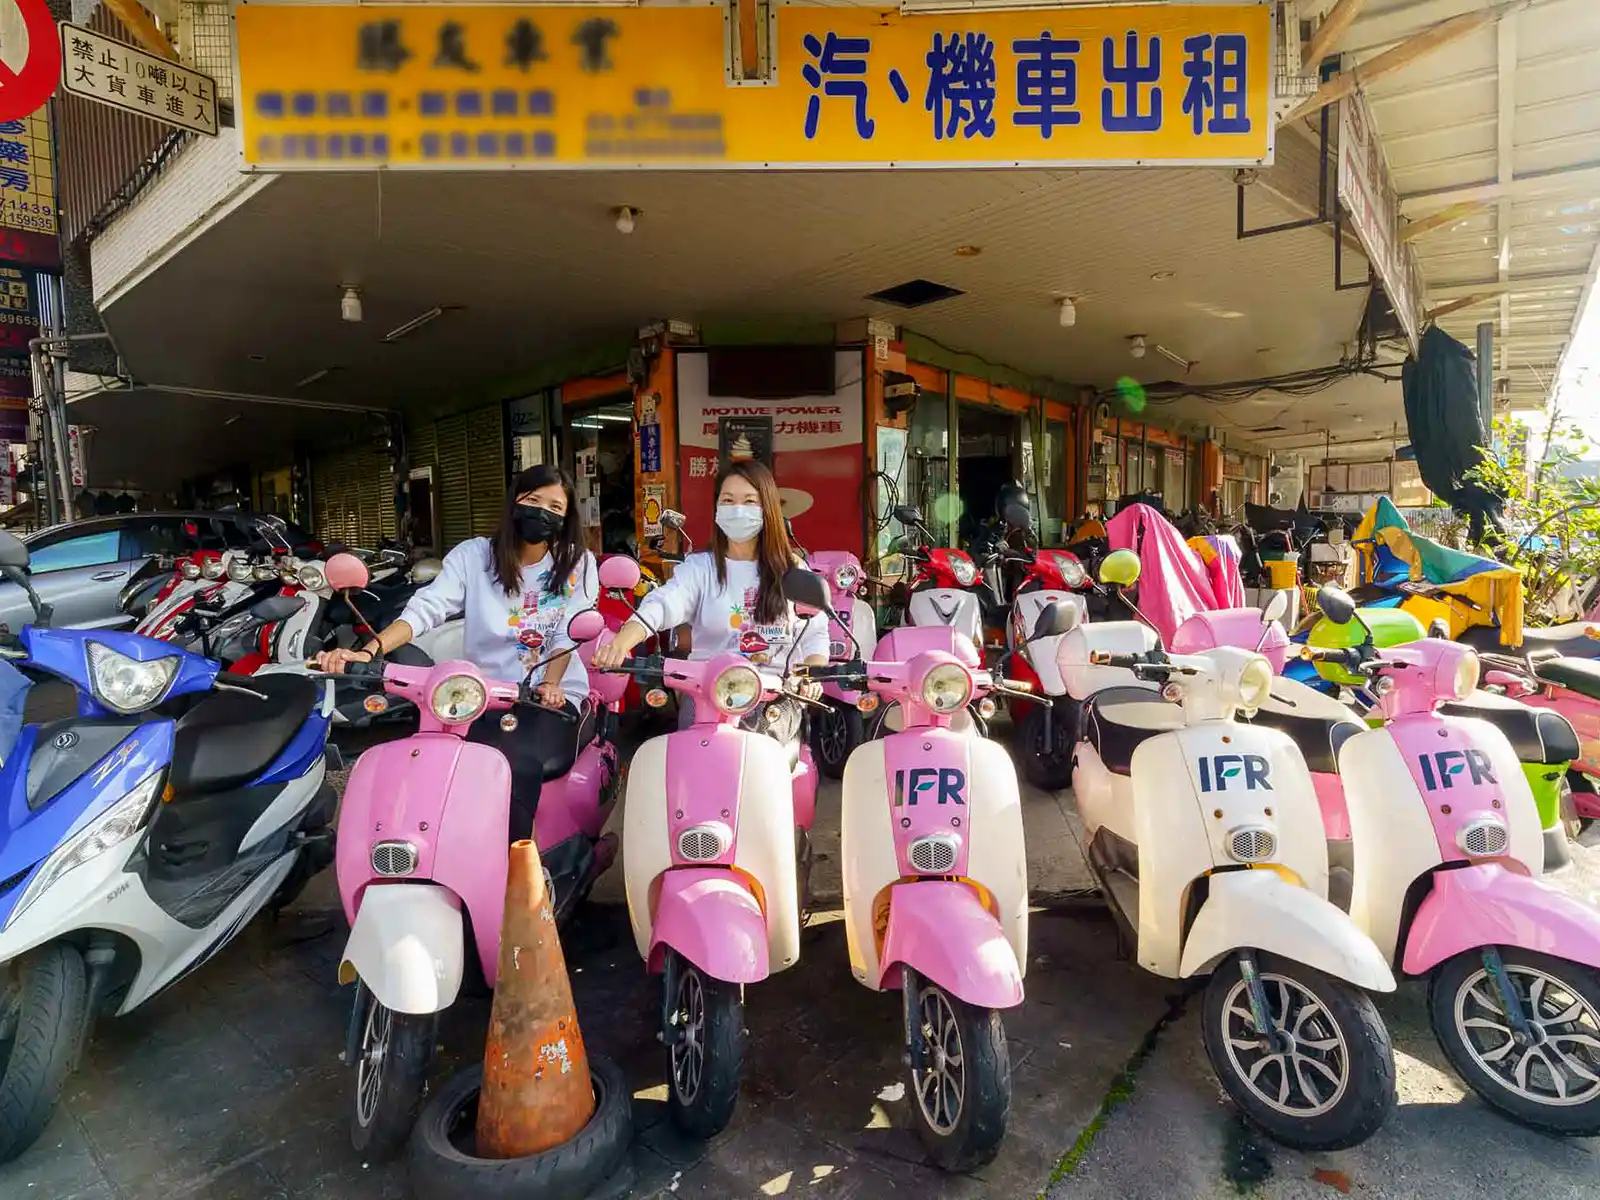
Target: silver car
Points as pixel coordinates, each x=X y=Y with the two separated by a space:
x=81 y=567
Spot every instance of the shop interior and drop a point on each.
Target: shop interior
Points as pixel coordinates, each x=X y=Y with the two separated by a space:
x=596 y=448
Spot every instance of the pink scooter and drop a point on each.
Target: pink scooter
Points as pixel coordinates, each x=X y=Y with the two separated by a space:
x=716 y=848
x=421 y=861
x=1448 y=853
x=1571 y=687
x=936 y=878
x=839 y=729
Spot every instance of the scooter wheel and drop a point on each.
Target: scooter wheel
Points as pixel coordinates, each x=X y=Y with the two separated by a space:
x=707 y=1060
x=391 y=1072
x=1046 y=767
x=443 y=1166
x=1550 y=1082
x=44 y=1014
x=961 y=1098
x=1325 y=1078
x=834 y=735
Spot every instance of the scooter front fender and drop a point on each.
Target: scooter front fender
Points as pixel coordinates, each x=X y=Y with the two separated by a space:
x=713 y=920
x=1488 y=905
x=406 y=945
x=942 y=931
x=1260 y=910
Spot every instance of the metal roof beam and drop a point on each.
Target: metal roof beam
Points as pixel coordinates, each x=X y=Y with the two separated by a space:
x=1331 y=29
x=1578 y=177
x=1525 y=285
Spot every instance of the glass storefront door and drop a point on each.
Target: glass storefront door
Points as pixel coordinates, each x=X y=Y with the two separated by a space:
x=597 y=451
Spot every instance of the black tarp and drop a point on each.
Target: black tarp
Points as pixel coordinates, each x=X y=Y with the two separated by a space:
x=1445 y=423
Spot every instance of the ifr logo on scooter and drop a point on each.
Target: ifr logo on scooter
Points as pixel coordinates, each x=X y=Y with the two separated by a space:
x=951 y=783
x=1440 y=768
x=1216 y=770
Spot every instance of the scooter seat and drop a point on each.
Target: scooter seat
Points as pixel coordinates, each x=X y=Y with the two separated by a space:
x=563 y=752
x=1316 y=723
x=230 y=738
x=1581 y=675
x=1117 y=720
x=1570 y=641
x=1536 y=734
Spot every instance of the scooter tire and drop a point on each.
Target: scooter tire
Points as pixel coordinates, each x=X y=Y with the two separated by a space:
x=442 y=1166
x=1050 y=771
x=51 y=1020
x=1447 y=982
x=831 y=761
x=403 y=1080
x=706 y=1111
x=975 y=1138
x=1369 y=1096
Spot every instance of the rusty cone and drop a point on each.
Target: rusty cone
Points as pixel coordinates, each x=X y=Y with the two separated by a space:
x=536 y=1087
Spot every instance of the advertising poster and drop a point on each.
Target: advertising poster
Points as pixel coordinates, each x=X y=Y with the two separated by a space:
x=741 y=439
x=817 y=452
x=655 y=502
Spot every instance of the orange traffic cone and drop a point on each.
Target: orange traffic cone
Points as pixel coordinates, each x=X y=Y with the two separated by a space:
x=537 y=1093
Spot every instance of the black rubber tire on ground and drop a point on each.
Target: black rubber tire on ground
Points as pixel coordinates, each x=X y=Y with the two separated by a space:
x=1369 y=1098
x=986 y=1104
x=1053 y=771
x=51 y=1021
x=441 y=1170
x=1579 y=1120
x=844 y=722
x=707 y=1112
x=403 y=1079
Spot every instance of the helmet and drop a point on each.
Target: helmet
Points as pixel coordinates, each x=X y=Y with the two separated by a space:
x=426 y=570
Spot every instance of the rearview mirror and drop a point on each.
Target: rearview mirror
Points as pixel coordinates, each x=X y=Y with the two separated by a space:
x=344 y=571
x=587 y=625
x=619 y=573
x=806 y=590
x=908 y=514
x=276 y=608
x=1336 y=604
x=12 y=552
x=1120 y=568
x=671 y=518
x=1056 y=618
x=1439 y=628
x=1277 y=608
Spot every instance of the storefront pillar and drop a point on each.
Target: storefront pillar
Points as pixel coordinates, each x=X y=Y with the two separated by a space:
x=655 y=450
x=1210 y=472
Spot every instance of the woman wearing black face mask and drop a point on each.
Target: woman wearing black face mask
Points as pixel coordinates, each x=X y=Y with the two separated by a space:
x=516 y=592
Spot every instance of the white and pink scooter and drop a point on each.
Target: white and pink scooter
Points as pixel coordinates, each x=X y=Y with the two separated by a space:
x=1448 y=854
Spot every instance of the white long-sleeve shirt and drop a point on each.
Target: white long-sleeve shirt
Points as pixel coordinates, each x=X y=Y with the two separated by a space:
x=722 y=616
x=506 y=633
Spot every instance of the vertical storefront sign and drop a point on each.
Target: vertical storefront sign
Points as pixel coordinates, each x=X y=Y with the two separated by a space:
x=1367 y=195
x=28 y=229
x=817 y=451
x=655 y=503
x=19 y=312
x=76 y=456
x=650 y=435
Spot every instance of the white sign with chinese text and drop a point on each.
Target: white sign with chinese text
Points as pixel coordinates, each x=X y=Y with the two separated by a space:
x=75 y=455
x=125 y=77
x=1368 y=198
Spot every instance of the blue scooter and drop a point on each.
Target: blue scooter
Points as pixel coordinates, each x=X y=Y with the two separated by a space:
x=139 y=836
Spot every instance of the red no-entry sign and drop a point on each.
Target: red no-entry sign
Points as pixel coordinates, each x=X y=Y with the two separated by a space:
x=30 y=64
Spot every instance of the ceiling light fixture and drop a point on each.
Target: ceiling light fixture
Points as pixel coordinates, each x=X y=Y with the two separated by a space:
x=1174 y=358
x=416 y=323
x=256 y=357
x=968 y=251
x=1069 y=313
x=350 y=304
x=1163 y=276
x=626 y=215
x=1136 y=345
x=233 y=419
x=314 y=377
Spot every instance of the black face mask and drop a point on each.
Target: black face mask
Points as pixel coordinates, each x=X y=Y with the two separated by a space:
x=535 y=524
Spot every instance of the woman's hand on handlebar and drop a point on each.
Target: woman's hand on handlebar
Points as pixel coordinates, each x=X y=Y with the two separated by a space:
x=334 y=661
x=803 y=686
x=613 y=654
x=550 y=695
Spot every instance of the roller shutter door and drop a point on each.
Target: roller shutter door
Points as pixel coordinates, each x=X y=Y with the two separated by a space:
x=467 y=453
x=351 y=496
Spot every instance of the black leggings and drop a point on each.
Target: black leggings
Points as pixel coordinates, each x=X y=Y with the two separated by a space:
x=539 y=737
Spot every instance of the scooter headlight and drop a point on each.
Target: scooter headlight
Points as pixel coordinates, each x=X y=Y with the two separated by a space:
x=1255 y=683
x=737 y=690
x=966 y=574
x=459 y=699
x=126 y=685
x=1465 y=677
x=946 y=688
x=213 y=569
x=311 y=578
x=239 y=571
x=121 y=821
x=846 y=578
x=1072 y=572
x=191 y=570
x=264 y=572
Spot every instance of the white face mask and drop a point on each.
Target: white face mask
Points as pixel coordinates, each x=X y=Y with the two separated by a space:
x=740 y=522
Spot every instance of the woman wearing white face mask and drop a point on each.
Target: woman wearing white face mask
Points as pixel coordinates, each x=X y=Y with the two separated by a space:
x=731 y=596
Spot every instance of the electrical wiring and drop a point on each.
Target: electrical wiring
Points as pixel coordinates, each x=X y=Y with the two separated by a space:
x=1295 y=383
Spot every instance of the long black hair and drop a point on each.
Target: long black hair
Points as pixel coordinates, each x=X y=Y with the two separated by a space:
x=506 y=544
x=774 y=551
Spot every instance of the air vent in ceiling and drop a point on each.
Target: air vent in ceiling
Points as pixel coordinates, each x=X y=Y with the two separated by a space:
x=915 y=293
x=1270 y=429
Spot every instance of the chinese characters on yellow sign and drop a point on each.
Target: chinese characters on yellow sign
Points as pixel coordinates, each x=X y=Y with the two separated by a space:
x=28 y=194
x=341 y=88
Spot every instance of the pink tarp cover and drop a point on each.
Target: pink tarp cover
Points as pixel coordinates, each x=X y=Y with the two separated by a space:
x=1173 y=583
x=1227 y=584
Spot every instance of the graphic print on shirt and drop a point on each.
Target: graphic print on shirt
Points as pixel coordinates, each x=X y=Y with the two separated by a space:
x=536 y=616
x=757 y=642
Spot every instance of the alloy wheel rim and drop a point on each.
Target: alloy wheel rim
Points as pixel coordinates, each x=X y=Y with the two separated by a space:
x=688 y=1051
x=941 y=1084
x=369 y=1070
x=1300 y=1067
x=1558 y=1063
x=832 y=736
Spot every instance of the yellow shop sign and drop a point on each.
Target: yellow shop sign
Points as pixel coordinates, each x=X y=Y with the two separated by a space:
x=349 y=87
